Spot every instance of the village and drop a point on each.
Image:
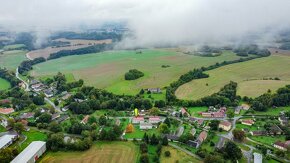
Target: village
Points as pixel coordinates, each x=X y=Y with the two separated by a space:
x=189 y=129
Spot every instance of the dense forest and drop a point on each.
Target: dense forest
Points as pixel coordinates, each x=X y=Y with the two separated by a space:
x=91 y=49
x=26 y=66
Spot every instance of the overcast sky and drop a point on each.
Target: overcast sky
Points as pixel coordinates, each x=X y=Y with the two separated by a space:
x=153 y=21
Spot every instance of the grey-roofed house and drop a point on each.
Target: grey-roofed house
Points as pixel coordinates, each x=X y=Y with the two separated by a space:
x=31 y=153
x=258 y=158
x=7 y=140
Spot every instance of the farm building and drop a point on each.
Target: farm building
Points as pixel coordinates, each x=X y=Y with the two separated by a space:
x=145 y=126
x=7 y=140
x=137 y=120
x=225 y=125
x=258 y=158
x=154 y=90
x=258 y=133
x=202 y=136
x=6 y=110
x=31 y=153
x=247 y=122
x=154 y=120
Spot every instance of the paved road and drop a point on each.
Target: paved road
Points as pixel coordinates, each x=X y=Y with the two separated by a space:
x=27 y=89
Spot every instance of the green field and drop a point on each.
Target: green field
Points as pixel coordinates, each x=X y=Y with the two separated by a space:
x=176 y=156
x=249 y=76
x=14 y=46
x=138 y=134
x=4 y=84
x=107 y=69
x=33 y=135
x=12 y=59
x=107 y=152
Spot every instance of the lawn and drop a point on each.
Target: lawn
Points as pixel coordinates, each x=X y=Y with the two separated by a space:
x=138 y=134
x=107 y=69
x=33 y=135
x=107 y=152
x=12 y=59
x=193 y=111
x=249 y=76
x=176 y=156
x=269 y=140
x=2 y=129
x=271 y=111
x=4 y=84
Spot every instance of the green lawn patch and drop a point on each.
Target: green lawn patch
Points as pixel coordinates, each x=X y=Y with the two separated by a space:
x=138 y=134
x=4 y=84
x=269 y=140
x=33 y=135
x=14 y=47
x=193 y=111
x=12 y=59
x=2 y=129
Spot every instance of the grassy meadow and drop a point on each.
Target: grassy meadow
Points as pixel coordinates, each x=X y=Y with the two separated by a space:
x=12 y=59
x=176 y=156
x=249 y=76
x=4 y=84
x=109 y=152
x=107 y=69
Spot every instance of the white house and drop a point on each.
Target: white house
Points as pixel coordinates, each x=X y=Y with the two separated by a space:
x=31 y=153
x=145 y=126
x=7 y=140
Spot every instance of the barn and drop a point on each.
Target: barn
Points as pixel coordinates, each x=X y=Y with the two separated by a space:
x=31 y=153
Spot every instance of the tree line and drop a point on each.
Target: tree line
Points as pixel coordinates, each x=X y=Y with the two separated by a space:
x=26 y=66
x=90 y=49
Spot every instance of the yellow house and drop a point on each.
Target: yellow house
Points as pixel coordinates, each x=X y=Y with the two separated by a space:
x=225 y=125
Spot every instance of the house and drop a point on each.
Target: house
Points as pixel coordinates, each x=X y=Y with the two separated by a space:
x=200 y=122
x=48 y=93
x=145 y=126
x=283 y=120
x=136 y=120
x=55 y=116
x=275 y=130
x=154 y=120
x=258 y=133
x=31 y=153
x=27 y=115
x=225 y=125
x=65 y=95
x=221 y=113
x=193 y=131
x=37 y=87
x=184 y=112
x=118 y=122
x=62 y=118
x=33 y=81
x=154 y=90
x=202 y=136
x=85 y=119
x=238 y=109
x=280 y=145
x=172 y=137
x=245 y=106
x=248 y=122
x=5 y=101
x=7 y=140
x=258 y=158
x=6 y=111
x=194 y=144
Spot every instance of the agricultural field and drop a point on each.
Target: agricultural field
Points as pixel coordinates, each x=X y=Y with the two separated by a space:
x=109 y=152
x=107 y=69
x=176 y=156
x=249 y=75
x=12 y=59
x=4 y=84
x=14 y=47
x=74 y=44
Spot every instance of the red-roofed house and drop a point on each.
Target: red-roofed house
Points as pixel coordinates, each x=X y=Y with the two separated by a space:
x=225 y=125
x=137 y=120
x=6 y=110
x=154 y=120
x=280 y=145
x=85 y=120
x=184 y=112
x=202 y=136
x=247 y=122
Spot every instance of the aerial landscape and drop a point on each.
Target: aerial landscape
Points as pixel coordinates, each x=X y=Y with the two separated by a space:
x=132 y=81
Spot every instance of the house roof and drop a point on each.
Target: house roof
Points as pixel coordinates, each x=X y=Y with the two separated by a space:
x=183 y=111
x=154 y=118
x=27 y=115
x=248 y=121
x=6 y=110
x=202 y=136
x=85 y=120
x=258 y=158
x=281 y=144
x=258 y=132
x=275 y=128
x=29 y=151
x=226 y=123
x=138 y=118
x=5 y=140
x=146 y=124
